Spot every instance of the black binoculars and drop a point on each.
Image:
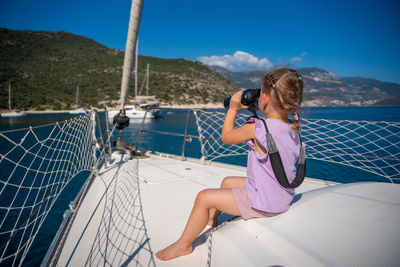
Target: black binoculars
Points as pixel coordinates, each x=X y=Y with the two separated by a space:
x=249 y=98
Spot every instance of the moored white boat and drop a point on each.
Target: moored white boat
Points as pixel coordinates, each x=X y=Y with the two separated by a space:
x=10 y=113
x=132 y=112
x=15 y=113
x=77 y=111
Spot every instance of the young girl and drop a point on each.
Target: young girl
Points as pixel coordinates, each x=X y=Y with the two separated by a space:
x=259 y=194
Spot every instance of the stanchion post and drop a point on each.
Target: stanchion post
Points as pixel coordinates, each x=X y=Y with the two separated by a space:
x=108 y=133
x=140 y=131
x=101 y=138
x=184 y=138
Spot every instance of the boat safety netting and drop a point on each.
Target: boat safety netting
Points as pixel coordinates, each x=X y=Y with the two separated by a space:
x=367 y=145
x=36 y=165
x=209 y=126
x=121 y=238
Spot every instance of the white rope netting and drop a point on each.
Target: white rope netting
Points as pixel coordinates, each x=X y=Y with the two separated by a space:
x=121 y=238
x=370 y=146
x=36 y=165
x=366 y=145
x=209 y=126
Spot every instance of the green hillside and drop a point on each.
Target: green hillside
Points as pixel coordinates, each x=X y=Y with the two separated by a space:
x=44 y=69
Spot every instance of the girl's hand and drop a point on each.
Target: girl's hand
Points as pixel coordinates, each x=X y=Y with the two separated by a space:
x=230 y=135
x=235 y=103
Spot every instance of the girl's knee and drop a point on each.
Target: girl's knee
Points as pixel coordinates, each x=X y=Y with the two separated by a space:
x=227 y=182
x=202 y=196
x=233 y=182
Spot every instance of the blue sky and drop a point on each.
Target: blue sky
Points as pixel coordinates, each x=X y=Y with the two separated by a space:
x=348 y=38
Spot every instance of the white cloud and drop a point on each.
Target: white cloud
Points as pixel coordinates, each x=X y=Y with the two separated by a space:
x=295 y=60
x=239 y=61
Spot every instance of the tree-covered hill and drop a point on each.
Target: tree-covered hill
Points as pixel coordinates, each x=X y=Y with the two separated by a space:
x=44 y=69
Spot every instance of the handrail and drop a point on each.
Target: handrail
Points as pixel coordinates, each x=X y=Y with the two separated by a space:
x=170 y=108
x=173 y=134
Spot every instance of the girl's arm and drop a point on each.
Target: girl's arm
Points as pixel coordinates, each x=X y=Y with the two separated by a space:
x=230 y=135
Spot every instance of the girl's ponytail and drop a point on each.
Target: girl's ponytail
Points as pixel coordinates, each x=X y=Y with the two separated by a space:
x=296 y=124
x=288 y=87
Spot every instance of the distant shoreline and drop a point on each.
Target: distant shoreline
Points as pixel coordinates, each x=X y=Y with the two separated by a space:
x=187 y=106
x=191 y=106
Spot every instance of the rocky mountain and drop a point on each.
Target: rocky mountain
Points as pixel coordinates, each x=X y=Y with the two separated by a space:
x=44 y=69
x=323 y=88
x=243 y=79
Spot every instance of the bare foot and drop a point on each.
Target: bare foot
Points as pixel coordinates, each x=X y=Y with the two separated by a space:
x=213 y=222
x=173 y=251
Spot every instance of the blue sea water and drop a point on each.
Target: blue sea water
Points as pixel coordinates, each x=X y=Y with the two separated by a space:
x=175 y=122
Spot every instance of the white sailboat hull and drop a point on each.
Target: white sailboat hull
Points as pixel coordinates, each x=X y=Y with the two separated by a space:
x=132 y=114
x=77 y=111
x=13 y=114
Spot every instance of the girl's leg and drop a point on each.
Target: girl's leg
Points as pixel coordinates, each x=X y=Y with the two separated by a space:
x=221 y=199
x=228 y=182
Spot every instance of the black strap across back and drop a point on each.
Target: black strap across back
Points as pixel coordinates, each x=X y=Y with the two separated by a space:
x=277 y=165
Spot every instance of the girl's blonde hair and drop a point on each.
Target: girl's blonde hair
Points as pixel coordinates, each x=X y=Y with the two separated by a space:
x=288 y=87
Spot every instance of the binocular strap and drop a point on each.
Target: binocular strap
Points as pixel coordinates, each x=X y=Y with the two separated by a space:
x=277 y=166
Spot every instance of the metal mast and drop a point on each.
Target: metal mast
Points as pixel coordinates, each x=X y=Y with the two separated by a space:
x=136 y=65
x=147 y=79
x=9 y=97
x=77 y=96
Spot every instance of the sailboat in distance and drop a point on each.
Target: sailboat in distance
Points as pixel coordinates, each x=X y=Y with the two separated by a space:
x=77 y=110
x=137 y=109
x=14 y=113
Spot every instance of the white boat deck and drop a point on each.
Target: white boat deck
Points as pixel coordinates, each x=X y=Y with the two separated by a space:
x=136 y=207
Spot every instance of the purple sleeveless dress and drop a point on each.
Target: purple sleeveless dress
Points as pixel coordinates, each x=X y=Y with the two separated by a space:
x=262 y=195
